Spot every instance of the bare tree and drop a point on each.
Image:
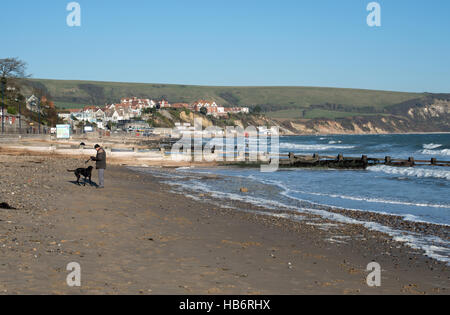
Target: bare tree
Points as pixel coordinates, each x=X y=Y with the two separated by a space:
x=10 y=68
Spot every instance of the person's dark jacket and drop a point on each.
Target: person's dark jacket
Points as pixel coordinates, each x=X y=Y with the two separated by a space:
x=100 y=159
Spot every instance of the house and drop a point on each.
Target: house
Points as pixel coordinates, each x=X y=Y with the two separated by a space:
x=88 y=114
x=132 y=125
x=181 y=106
x=33 y=103
x=237 y=110
x=164 y=104
x=114 y=117
x=138 y=102
x=210 y=106
x=66 y=115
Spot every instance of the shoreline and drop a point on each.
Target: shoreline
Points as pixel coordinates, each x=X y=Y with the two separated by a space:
x=170 y=165
x=136 y=236
x=86 y=136
x=392 y=224
x=367 y=134
x=324 y=206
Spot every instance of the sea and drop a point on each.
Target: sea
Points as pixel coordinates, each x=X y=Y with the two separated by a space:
x=419 y=194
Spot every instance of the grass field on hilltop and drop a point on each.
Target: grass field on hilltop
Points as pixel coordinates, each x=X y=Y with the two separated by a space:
x=69 y=94
x=315 y=113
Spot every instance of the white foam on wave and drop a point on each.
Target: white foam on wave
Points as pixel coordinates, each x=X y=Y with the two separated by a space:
x=314 y=147
x=355 y=198
x=431 y=146
x=412 y=171
x=433 y=247
x=413 y=240
x=286 y=192
x=443 y=152
x=440 y=250
x=377 y=200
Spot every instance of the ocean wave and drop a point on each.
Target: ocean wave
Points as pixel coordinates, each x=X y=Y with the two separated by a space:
x=354 y=198
x=378 y=200
x=443 y=152
x=439 y=249
x=334 y=142
x=412 y=172
x=314 y=147
x=431 y=146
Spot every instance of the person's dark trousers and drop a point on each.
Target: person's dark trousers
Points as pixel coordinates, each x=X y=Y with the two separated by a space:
x=101 y=178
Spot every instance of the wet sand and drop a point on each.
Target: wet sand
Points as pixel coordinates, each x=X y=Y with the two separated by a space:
x=137 y=237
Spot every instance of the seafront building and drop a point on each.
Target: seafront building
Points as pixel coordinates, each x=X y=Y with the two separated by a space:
x=133 y=108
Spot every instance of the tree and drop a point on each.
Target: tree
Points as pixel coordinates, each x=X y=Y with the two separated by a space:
x=257 y=109
x=12 y=110
x=110 y=125
x=147 y=111
x=51 y=115
x=12 y=68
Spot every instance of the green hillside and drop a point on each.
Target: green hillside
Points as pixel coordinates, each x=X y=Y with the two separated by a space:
x=282 y=101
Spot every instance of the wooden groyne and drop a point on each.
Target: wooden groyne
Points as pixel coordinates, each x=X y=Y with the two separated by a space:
x=342 y=162
x=294 y=160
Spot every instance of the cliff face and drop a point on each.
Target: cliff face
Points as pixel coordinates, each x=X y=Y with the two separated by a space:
x=437 y=110
x=430 y=114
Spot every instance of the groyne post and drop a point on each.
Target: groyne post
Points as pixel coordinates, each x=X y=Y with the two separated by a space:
x=387 y=160
x=291 y=157
x=364 y=159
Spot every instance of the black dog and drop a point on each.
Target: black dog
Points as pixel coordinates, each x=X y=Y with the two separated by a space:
x=86 y=172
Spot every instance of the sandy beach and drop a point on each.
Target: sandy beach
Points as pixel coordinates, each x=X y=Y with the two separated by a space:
x=138 y=237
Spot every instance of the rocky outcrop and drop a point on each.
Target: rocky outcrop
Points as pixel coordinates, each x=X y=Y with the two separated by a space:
x=428 y=114
x=190 y=118
x=439 y=109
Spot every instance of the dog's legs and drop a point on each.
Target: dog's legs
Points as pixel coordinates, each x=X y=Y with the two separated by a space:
x=78 y=180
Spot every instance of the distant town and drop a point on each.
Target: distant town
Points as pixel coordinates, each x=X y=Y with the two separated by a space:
x=134 y=108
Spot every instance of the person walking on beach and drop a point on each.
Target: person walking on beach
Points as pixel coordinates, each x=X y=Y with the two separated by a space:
x=100 y=165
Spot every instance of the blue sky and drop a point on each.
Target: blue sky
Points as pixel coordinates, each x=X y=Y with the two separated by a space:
x=230 y=42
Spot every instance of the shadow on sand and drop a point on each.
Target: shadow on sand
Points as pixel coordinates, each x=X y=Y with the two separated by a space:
x=82 y=183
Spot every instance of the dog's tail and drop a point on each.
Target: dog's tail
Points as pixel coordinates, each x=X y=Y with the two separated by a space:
x=71 y=171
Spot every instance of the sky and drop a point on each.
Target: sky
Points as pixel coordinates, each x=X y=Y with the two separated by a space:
x=235 y=42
